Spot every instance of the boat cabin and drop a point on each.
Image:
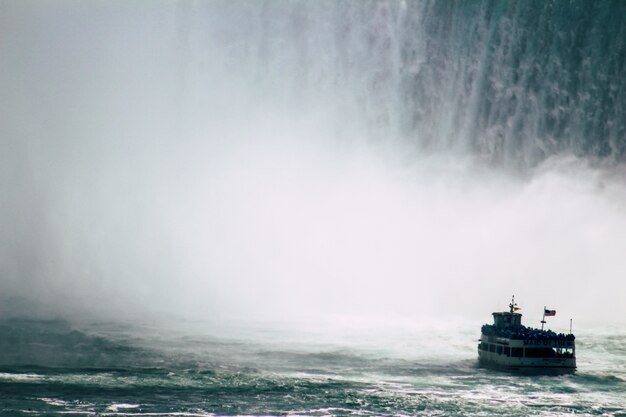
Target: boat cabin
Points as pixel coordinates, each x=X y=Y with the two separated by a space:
x=507 y=320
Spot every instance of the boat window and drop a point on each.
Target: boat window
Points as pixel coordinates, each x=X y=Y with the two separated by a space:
x=517 y=352
x=542 y=352
x=507 y=351
x=492 y=348
x=499 y=350
x=483 y=346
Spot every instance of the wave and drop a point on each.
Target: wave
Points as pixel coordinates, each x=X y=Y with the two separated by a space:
x=299 y=379
x=56 y=344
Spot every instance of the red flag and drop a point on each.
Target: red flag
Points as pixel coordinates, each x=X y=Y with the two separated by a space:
x=548 y=313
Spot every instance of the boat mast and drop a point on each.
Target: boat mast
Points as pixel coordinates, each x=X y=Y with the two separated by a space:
x=543 y=320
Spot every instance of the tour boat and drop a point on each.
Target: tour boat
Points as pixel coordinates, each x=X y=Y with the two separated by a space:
x=510 y=345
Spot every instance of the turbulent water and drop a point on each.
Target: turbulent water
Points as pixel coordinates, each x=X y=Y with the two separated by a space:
x=49 y=368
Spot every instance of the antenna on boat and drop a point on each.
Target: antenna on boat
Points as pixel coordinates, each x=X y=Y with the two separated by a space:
x=570 y=326
x=513 y=306
x=543 y=320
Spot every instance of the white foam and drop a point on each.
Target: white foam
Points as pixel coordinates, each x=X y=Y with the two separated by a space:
x=157 y=414
x=20 y=377
x=121 y=406
x=54 y=401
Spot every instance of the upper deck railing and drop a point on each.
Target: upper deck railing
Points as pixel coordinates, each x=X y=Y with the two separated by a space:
x=526 y=333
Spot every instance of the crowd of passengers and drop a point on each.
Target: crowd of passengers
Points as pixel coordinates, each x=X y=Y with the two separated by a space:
x=525 y=333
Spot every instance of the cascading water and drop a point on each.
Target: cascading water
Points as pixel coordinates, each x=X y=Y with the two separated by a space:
x=284 y=147
x=515 y=82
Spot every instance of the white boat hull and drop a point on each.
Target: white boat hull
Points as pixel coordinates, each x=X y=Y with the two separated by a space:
x=499 y=360
x=515 y=353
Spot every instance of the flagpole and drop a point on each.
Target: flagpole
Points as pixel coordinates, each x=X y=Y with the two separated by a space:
x=543 y=319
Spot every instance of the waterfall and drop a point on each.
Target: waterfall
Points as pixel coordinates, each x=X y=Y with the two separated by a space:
x=514 y=82
x=238 y=156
